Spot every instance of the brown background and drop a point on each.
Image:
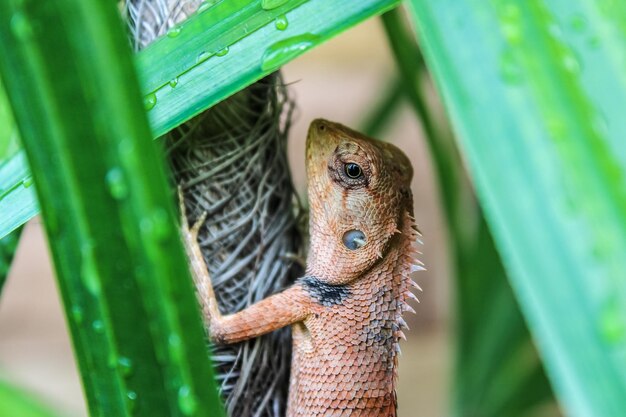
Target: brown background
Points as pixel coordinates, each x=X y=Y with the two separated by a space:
x=340 y=81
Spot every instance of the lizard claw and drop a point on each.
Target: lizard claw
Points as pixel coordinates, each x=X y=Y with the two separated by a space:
x=184 y=222
x=182 y=209
x=197 y=225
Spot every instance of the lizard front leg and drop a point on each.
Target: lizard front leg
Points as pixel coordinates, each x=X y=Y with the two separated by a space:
x=287 y=307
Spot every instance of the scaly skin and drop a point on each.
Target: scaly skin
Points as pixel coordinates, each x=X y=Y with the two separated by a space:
x=346 y=312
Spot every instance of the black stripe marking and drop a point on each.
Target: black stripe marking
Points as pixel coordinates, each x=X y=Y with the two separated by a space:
x=326 y=294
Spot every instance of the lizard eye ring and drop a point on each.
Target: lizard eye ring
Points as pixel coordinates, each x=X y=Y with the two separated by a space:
x=353 y=170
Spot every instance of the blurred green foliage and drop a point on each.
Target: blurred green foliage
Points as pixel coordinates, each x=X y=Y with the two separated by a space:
x=535 y=93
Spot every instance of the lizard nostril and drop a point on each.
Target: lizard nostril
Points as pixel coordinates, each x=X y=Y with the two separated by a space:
x=354 y=239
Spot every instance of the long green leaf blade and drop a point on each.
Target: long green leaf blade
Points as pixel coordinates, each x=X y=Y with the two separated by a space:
x=209 y=76
x=8 y=245
x=515 y=383
x=218 y=52
x=536 y=93
x=123 y=275
x=18 y=202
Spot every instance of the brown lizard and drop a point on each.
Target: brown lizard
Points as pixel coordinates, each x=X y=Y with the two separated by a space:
x=346 y=312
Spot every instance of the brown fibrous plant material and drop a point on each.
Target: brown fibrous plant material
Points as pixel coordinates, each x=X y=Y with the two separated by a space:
x=231 y=162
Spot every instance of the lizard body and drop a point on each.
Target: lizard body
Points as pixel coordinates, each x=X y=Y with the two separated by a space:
x=346 y=312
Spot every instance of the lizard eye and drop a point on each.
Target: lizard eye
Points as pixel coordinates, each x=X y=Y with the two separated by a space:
x=354 y=239
x=353 y=170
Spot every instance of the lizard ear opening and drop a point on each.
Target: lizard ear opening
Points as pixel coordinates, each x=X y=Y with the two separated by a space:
x=354 y=239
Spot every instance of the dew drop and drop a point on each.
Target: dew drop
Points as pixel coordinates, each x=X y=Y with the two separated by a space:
x=98 y=326
x=156 y=226
x=112 y=359
x=272 y=4
x=286 y=49
x=571 y=63
x=125 y=365
x=150 y=101
x=222 y=51
x=77 y=314
x=205 y=5
x=21 y=28
x=116 y=183
x=27 y=182
x=174 y=31
x=173 y=82
x=175 y=344
x=187 y=401
x=131 y=401
x=281 y=22
x=89 y=270
x=203 y=56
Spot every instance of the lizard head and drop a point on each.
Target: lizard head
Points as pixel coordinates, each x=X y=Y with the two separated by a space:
x=359 y=193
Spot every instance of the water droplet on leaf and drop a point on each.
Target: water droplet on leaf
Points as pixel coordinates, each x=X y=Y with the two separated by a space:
x=287 y=49
x=203 y=56
x=174 y=31
x=77 y=314
x=89 y=269
x=20 y=26
x=116 y=183
x=173 y=82
x=187 y=401
x=272 y=4
x=571 y=63
x=150 y=101
x=222 y=51
x=131 y=401
x=98 y=326
x=281 y=22
x=156 y=226
x=125 y=366
x=205 y=5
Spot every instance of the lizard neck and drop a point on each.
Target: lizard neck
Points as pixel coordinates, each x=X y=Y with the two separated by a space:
x=386 y=289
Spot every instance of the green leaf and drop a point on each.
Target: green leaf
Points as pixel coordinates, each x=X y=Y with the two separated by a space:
x=14 y=402
x=515 y=383
x=536 y=91
x=232 y=44
x=8 y=147
x=220 y=51
x=18 y=202
x=9 y=140
x=124 y=278
x=8 y=245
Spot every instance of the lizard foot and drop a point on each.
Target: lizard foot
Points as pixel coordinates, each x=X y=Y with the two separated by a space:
x=199 y=270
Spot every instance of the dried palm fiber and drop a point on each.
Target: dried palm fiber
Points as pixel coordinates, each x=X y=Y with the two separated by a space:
x=232 y=163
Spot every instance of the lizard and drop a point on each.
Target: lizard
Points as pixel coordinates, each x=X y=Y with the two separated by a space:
x=346 y=311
